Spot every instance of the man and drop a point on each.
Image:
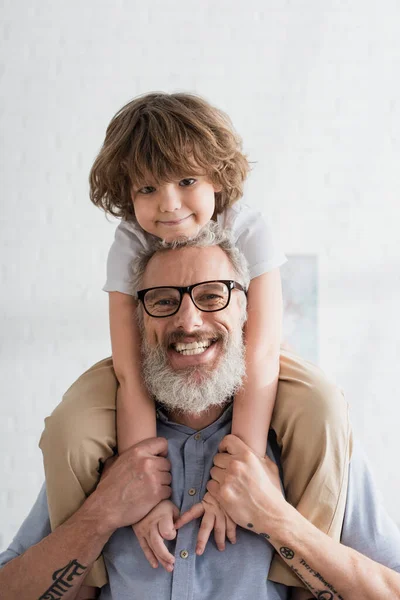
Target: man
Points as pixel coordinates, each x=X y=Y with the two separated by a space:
x=195 y=419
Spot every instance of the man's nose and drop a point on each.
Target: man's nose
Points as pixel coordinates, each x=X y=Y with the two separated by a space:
x=188 y=317
x=170 y=199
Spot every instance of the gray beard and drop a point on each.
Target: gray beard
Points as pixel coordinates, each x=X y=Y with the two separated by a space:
x=196 y=389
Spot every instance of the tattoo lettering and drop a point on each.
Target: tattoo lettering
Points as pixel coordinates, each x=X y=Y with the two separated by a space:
x=327 y=594
x=62 y=578
x=250 y=525
x=265 y=535
x=322 y=580
x=302 y=578
x=286 y=553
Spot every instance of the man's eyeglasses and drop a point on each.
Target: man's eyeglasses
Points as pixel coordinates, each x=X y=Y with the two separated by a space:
x=208 y=296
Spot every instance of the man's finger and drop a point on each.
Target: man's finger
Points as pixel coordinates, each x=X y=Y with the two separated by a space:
x=162 y=464
x=217 y=474
x=165 y=478
x=195 y=512
x=222 y=460
x=232 y=444
x=213 y=487
x=158 y=446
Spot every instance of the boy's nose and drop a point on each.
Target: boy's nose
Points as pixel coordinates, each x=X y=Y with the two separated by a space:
x=170 y=199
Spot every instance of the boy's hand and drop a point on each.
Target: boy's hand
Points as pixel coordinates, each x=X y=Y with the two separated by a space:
x=214 y=517
x=151 y=532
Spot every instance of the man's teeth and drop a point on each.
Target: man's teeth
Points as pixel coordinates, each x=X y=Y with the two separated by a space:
x=192 y=348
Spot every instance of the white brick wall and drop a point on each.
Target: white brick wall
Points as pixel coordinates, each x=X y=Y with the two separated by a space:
x=313 y=88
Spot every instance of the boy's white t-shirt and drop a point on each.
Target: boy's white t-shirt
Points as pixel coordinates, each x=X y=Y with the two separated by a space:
x=249 y=228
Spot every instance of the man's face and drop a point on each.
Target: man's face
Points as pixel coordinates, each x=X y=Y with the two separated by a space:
x=181 y=268
x=193 y=358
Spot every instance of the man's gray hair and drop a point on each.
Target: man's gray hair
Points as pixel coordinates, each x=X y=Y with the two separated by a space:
x=210 y=235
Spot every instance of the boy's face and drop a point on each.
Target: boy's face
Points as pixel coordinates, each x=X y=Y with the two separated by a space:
x=176 y=208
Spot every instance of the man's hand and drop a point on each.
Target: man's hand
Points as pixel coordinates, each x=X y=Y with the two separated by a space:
x=136 y=481
x=246 y=486
x=214 y=518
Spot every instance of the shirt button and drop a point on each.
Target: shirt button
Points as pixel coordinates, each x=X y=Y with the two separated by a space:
x=184 y=554
x=197 y=437
x=192 y=491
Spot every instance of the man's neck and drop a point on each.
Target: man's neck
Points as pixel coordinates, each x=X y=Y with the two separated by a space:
x=196 y=422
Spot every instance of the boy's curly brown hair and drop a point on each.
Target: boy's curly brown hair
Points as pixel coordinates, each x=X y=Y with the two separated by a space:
x=162 y=137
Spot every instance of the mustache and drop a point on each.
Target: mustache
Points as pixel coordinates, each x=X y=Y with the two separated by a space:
x=178 y=336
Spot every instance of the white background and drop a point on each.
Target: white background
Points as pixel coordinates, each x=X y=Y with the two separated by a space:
x=313 y=88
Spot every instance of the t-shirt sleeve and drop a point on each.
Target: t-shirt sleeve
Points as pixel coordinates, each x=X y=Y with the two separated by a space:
x=35 y=527
x=129 y=241
x=367 y=527
x=255 y=239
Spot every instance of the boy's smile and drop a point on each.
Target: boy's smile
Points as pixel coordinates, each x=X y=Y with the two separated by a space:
x=175 y=209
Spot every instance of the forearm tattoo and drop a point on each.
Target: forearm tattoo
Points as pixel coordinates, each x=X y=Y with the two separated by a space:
x=62 y=579
x=312 y=579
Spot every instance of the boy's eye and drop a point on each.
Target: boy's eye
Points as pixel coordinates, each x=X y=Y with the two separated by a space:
x=147 y=189
x=187 y=182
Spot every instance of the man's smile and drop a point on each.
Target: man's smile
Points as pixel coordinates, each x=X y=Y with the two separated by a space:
x=193 y=347
x=194 y=353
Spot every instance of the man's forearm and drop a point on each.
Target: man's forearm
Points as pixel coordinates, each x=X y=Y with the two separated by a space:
x=331 y=571
x=56 y=567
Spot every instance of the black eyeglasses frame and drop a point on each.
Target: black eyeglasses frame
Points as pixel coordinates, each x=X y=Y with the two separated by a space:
x=230 y=284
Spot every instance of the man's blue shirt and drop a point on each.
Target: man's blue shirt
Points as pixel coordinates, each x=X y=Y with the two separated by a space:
x=241 y=571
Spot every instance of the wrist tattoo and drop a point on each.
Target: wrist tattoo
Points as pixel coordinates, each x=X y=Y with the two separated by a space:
x=286 y=553
x=62 y=579
x=250 y=525
x=265 y=535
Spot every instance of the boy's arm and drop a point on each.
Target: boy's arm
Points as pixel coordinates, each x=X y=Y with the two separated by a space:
x=136 y=481
x=254 y=403
x=136 y=418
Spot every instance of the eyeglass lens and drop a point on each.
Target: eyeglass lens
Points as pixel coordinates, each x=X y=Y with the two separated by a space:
x=211 y=296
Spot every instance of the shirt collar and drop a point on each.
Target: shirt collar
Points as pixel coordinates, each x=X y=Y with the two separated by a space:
x=222 y=420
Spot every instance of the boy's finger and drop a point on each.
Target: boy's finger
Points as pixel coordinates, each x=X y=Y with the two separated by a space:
x=166 y=527
x=149 y=554
x=220 y=530
x=230 y=530
x=195 y=512
x=167 y=566
x=206 y=527
x=159 y=548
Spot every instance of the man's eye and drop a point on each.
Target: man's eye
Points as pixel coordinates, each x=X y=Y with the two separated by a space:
x=147 y=189
x=187 y=182
x=165 y=302
x=206 y=297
